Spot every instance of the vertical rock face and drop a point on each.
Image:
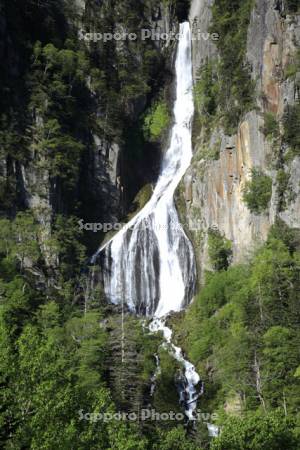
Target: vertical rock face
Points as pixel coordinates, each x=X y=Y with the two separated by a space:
x=99 y=181
x=218 y=193
x=200 y=18
x=214 y=188
x=34 y=187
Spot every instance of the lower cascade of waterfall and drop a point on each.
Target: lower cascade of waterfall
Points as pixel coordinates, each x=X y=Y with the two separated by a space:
x=187 y=385
x=149 y=265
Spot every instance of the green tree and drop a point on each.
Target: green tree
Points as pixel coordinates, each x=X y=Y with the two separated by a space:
x=157 y=121
x=258 y=192
x=257 y=432
x=291 y=125
x=219 y=250
x=175 y=439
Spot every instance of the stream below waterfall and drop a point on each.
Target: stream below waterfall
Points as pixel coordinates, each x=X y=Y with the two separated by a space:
x=149 y=265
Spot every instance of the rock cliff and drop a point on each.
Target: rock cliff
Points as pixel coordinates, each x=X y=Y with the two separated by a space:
x=112 y=166
x=213 y=186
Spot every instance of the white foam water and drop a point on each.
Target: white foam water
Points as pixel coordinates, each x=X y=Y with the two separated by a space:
x=149 y=265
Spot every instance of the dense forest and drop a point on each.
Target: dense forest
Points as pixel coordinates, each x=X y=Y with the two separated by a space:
x=68 y=356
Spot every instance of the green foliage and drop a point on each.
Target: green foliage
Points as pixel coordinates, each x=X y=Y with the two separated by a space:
x=242 y=333
x=224 y=89
x=176 y=439
x=279 y=341
x=209 y=153
x=57 y=83
x=206 y=95
x=130 y=361
x=64 y=91
x=20 y=239
x=289 y=236
x=257 y=432
x=65 y=242
x=124 y=437
x=68 y=362
x=157 y=121
x=292 y=6
x=166 y=396
x=258 y=192
x=206 y=90
x=52 y=390
x=291 y=123
x=61 y=151
x=293 y=67
x=62 y=367
x=284 y=188
x=271 y=127
x=235 y=89
x=219 y=250
x=142 y=197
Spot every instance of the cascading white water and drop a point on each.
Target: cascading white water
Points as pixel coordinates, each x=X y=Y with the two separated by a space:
x=189 y=394
x=149 y=265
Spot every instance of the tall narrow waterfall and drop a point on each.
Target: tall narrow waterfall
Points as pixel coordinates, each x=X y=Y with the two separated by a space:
x=149 y=265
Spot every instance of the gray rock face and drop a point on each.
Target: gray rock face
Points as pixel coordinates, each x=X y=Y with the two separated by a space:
x=292 y=214
x=203 y=48
x=103 y=177
x=213 y=189
x=100 y=168
x=163 y=21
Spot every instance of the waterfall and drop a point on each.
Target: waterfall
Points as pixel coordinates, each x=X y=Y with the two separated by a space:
x=149 y=265
x=186 y=386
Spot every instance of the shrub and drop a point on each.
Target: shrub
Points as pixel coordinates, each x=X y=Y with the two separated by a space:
x=258 y=192
x=219 y=250
x=206 y=90
x=157 y=121
x=291 y=124
x=206 y=93
x=292 y=6
x=284 y=189
x=293 y=67
x=289 y=236
x=257 y=431
x=271 y=128
x=230 y=20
